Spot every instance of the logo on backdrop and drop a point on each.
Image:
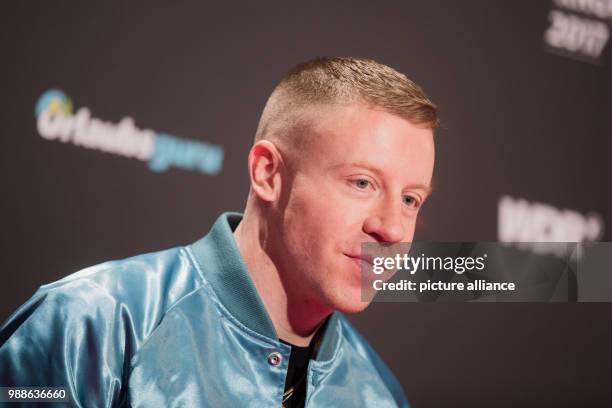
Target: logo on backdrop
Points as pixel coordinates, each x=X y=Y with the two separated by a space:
x=579 y=29
x=56 y=121
x=520 y=221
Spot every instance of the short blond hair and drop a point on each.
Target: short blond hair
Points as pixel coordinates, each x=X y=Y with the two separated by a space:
x=343 y=80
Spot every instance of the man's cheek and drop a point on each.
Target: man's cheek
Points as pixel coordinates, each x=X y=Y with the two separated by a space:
x=347 y=208
x=410 y=229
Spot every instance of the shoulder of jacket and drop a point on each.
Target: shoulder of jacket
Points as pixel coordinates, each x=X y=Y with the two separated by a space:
x=120 y=280
x=131 y=295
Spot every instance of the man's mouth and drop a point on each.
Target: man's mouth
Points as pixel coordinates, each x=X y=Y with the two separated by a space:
x=359 y=258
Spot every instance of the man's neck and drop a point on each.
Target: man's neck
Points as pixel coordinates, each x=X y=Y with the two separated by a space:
x=295 y=320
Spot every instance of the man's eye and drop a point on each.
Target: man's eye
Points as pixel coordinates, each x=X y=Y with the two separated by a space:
x=410 y=201
x=362 y=184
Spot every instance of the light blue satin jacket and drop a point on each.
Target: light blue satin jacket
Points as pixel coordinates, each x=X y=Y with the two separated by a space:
x=181 y=327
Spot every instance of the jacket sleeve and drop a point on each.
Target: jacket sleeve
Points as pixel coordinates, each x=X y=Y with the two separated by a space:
x=82 y=331
x=68 y=336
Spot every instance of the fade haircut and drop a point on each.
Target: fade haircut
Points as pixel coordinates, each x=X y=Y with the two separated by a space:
x=329 y=81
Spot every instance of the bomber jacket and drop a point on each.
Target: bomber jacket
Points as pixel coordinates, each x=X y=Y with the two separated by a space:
x=179 y=327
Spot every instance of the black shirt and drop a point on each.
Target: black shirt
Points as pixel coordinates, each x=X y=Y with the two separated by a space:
x=295 y=383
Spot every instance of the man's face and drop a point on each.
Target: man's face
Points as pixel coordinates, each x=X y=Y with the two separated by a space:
x=361 y=177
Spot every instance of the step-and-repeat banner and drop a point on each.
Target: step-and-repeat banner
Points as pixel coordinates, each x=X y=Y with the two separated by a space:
x=126 y=128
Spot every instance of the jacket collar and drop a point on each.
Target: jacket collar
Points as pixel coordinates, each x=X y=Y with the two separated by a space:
x=222 y=265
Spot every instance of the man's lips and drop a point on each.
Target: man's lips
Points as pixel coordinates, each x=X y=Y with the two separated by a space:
x=359 y=258
x=364 y=266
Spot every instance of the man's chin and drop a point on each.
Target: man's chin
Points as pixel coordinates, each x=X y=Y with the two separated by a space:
x=354 y=308
x=352 y=304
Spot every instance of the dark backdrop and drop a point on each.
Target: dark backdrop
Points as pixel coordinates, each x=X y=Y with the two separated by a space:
x=517 y=120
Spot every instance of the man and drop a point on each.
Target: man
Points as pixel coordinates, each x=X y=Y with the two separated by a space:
x=250 y=315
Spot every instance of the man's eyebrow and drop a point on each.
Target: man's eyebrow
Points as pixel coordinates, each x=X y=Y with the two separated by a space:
x=427 y=188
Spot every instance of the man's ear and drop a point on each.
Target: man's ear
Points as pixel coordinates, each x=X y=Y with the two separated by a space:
x=265 y=164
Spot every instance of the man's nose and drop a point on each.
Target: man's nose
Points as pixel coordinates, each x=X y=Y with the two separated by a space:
x=386 y=223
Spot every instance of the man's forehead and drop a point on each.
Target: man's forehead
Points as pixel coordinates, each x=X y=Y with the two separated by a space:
x=353 y=134
x=360 y=120
x=373 y=140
